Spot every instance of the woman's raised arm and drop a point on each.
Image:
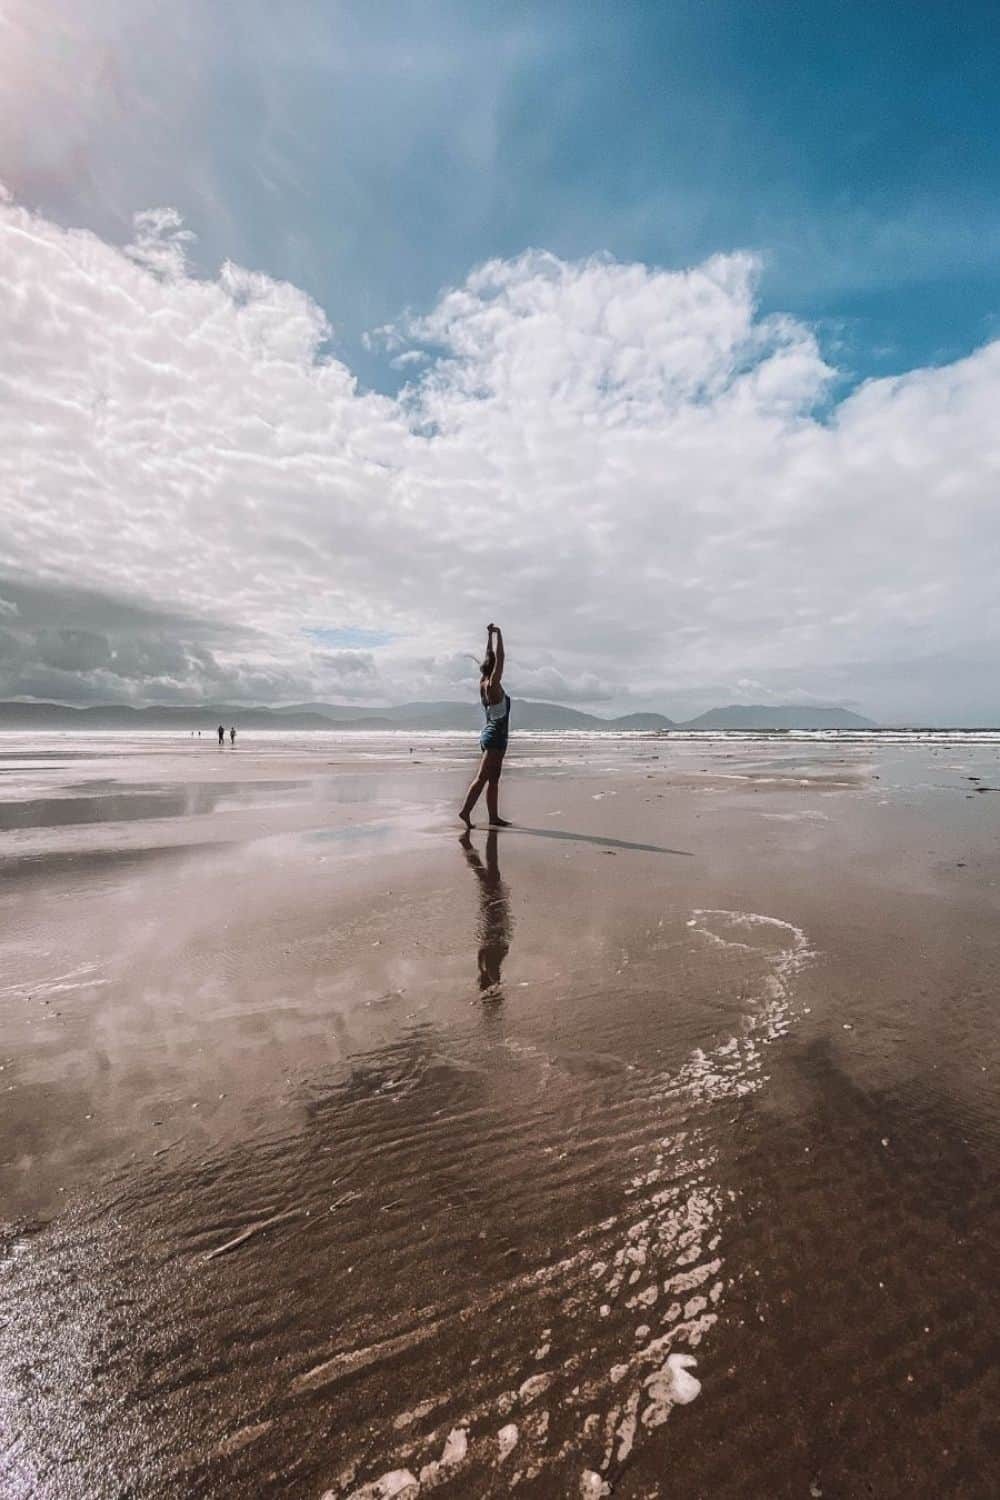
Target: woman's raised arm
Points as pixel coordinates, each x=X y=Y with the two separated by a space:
x=497 y=673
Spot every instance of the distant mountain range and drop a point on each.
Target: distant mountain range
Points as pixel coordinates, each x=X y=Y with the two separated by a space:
x=780 y=716
x=413 y=716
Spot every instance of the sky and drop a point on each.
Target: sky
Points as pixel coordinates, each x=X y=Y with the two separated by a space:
x=668 y=335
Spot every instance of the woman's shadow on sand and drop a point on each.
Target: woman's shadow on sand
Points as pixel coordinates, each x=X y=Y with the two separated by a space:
x=590 y=838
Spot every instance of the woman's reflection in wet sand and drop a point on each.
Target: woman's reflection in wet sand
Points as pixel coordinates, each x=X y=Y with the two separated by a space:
x=494 y=915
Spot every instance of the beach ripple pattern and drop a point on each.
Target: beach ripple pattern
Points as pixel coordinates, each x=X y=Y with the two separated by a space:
x=316 y=1310
x=629 y=1302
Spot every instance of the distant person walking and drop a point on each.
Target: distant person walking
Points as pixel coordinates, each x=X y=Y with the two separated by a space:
x=232 y=736
x=493 y=739
x=222 y=734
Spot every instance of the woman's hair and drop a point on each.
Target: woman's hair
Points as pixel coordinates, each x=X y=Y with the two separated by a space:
x=487 y=664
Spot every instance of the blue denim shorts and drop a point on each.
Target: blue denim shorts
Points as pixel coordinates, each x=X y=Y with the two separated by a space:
x=494 y=737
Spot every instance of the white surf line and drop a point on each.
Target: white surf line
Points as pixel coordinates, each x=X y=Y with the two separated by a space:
x=668 y=1255
x=60 y=984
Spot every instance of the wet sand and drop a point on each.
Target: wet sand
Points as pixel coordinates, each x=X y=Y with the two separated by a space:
x=651 y=1143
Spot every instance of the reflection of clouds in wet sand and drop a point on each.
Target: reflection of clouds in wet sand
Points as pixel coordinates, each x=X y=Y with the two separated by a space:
x=605 y=1332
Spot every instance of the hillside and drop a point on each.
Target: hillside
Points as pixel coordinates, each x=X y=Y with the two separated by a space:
x=412 y=716
x=417 y=717
x=778 y=716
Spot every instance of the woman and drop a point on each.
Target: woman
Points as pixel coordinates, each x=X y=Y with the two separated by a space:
x=493 y=739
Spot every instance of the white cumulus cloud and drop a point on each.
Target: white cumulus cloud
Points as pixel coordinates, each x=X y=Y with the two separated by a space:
x=648 y=483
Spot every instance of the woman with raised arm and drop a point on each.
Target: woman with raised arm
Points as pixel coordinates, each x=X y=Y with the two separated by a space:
x=493 y=739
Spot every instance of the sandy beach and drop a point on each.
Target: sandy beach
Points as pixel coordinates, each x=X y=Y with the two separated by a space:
x=645 y=1148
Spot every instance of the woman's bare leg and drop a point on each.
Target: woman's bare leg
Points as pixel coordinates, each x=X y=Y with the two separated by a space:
x=493 y=794
x=476 y=786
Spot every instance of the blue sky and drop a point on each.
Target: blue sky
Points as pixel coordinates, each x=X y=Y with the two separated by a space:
x=696 y=306
x=349 y=636
x=373 y=153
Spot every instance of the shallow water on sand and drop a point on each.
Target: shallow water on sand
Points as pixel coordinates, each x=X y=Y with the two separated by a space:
x=650 y=1143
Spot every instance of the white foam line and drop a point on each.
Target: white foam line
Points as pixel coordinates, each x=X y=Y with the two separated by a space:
x=60 y=984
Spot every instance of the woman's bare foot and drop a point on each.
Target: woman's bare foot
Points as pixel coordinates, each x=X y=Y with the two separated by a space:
x=500 y=823
x=464 y=816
